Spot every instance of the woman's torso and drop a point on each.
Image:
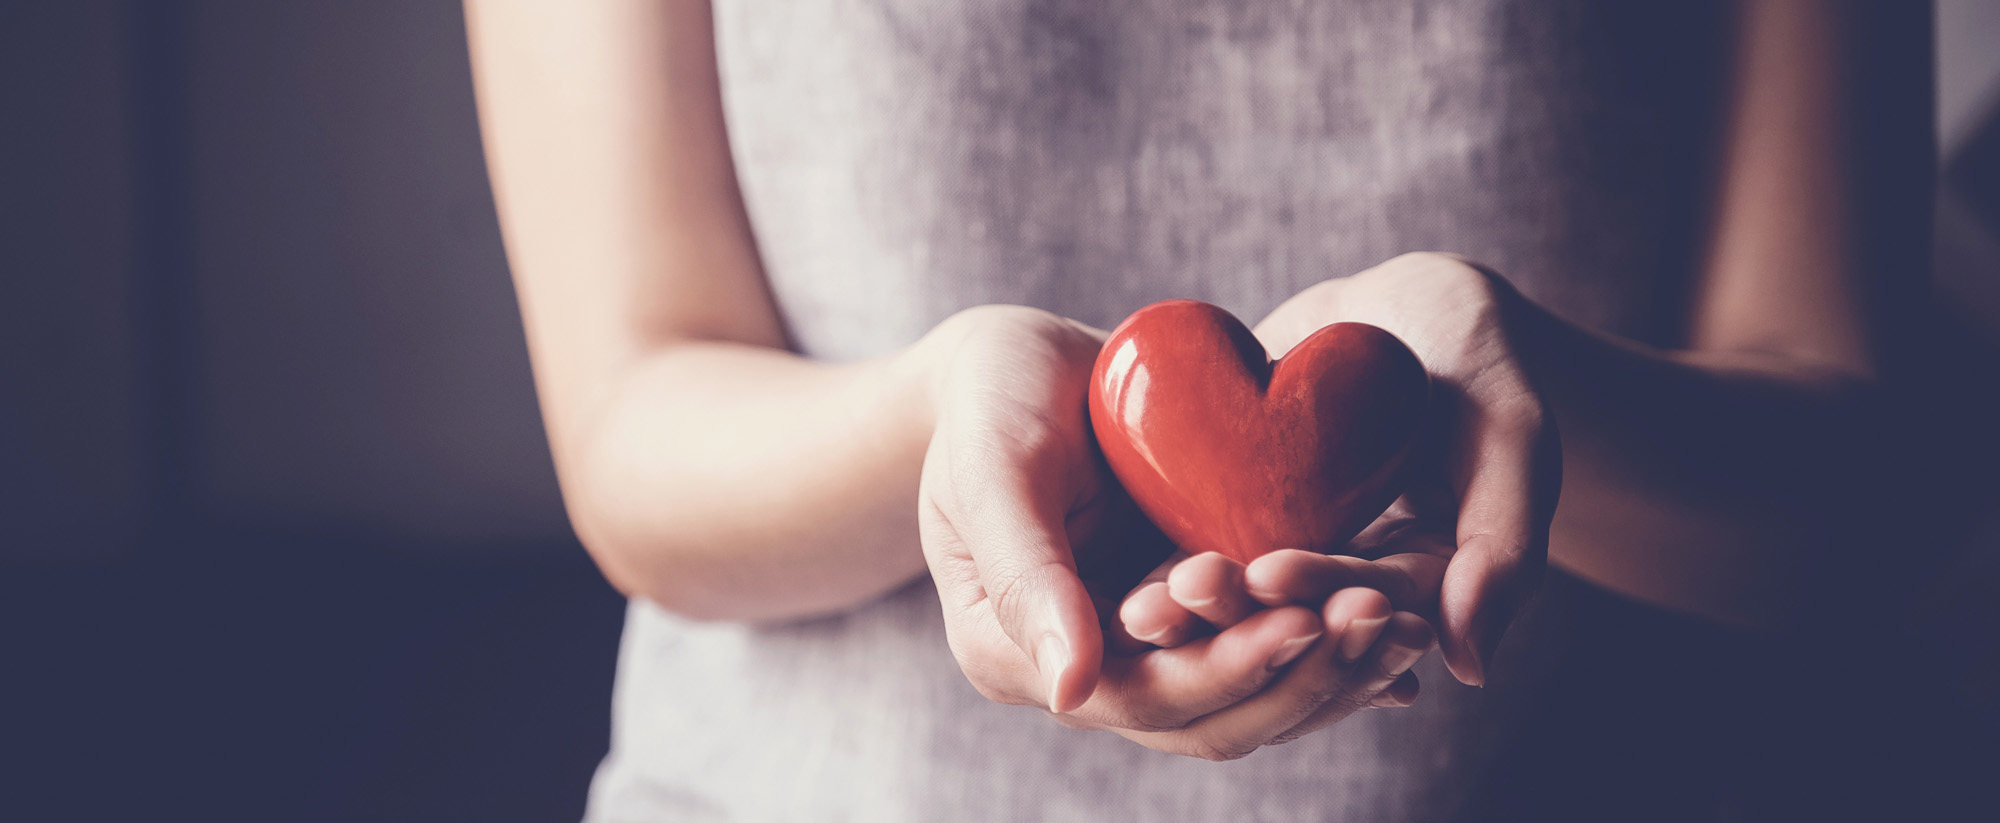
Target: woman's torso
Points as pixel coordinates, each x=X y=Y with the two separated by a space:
x=904 y=159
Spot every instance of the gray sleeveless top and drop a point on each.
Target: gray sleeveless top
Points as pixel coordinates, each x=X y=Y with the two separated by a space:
x=904 y=159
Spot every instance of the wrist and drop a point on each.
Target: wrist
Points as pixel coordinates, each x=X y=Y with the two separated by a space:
x=927 y=367
x=921 y=369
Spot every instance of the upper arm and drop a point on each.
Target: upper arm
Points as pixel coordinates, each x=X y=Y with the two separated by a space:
x=611 y=169
x=1822 y=200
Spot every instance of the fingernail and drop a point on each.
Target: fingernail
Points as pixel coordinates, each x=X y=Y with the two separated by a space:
x=1360 y=634
x=1290 y=650
x=1141 y=632
x=1488 y=646
x=1261 y=589
x=1052 y=657
x=1157 y=638
x=1486 y=637
x=1481 y=653
x=1386 y=700
x=1398 y=659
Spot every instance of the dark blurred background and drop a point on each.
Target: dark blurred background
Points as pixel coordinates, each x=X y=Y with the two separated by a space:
x=279 y=534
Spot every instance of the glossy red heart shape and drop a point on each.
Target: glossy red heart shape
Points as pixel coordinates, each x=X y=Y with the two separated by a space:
x=1228 y=451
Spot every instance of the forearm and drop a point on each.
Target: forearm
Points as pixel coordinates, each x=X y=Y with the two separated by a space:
x=1722 y=479
x=1707 y=482
x=704 y=466
x=728 y=481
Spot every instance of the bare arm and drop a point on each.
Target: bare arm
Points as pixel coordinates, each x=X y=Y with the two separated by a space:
x=1722 y=478
x=678 y=420
x=709 y=470
x=1715 y=478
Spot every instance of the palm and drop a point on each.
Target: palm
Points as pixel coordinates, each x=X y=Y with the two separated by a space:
x=1012 y=484
x=1483 y=491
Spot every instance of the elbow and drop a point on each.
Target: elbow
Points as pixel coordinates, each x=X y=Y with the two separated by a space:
x=647 y=567
x=620 y=565
x=617 y=565
x=654 y=575
x=624 y=535
x=683 y=577
x=698 y=554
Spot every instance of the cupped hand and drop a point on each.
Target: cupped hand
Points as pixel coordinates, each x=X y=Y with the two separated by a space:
x=1391 y=579
x=1373 y=638
x=1011 y=484
x=1473 y=525
x=1399 y=556
x=1364 y=659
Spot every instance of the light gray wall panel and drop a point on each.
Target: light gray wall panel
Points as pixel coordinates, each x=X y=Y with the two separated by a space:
x=1968 y=64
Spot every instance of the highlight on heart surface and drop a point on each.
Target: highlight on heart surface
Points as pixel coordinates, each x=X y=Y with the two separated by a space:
x=1229 y=451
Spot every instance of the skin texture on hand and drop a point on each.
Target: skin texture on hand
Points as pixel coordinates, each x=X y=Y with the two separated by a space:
x=1491 y=469
x=1011 y=486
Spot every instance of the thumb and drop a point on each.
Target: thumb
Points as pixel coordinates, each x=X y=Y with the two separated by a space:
x=1503 y=535
x=1049 y=615
x=1009 y=531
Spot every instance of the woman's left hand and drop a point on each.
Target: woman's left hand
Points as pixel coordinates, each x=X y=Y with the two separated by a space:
x=1468 y=541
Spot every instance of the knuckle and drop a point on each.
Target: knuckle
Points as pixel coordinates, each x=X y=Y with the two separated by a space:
x=1429 y=259
x=991 y=335
x=995 y=320
x=1446 y=267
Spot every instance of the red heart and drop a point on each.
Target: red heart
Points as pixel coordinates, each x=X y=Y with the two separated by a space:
x=1229 y=451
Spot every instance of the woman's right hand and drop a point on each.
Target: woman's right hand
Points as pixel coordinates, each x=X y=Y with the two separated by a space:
x=1011 y=482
